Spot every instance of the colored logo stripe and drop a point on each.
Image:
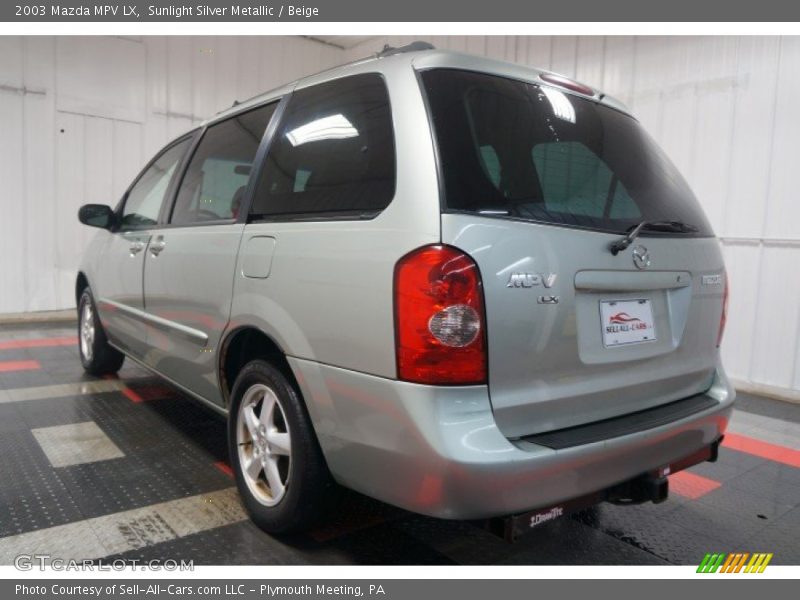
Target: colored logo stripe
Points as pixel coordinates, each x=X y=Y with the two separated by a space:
x=710 y=563
x=758 y=563
x=733 y=563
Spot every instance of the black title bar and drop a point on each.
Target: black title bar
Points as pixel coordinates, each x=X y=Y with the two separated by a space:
x=408 y=10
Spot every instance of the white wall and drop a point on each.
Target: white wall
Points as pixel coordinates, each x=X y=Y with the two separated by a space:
x=727 y=110
x=79 y=117
x=724 y=108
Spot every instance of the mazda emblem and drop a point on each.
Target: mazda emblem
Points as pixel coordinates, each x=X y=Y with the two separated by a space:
x=641 y=257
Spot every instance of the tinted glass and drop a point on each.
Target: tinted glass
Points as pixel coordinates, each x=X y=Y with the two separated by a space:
x=530 y=152
x=144 y=200
x=215 y=181
x=333 y=153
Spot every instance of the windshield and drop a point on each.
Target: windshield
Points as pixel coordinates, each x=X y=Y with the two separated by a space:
x=516 y=149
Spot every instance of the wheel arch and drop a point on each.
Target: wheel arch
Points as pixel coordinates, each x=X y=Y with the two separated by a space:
x=240 y=346
x=81 y=283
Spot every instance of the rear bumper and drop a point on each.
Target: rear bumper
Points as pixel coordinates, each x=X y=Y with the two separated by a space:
x=437 y=450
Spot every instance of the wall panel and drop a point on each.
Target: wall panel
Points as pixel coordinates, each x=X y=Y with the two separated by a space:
x=13 y=273
x=783 y=180
x=752 y=136
x=103 y=76
x=38 y=163
x=11 y=62
x=70 y=191
x=777 y=317
x=79 y=117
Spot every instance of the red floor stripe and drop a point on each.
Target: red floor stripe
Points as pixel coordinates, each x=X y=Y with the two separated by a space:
x=38 y=343
x=690 y=485
x=154 y=392
x=225 y=468
x=131 y=395
x=774 y=452
x=19 y=365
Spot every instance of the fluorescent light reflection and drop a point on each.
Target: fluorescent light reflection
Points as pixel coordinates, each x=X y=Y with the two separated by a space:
x=562 y=107
x=334 y=127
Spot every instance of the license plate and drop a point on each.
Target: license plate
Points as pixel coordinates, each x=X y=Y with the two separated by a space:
x=627 y=322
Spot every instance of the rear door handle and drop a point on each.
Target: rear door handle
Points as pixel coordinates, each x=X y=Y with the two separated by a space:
x=157 y=246
x=136 y=247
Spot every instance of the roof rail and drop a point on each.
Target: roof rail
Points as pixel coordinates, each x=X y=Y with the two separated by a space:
x=412 y=47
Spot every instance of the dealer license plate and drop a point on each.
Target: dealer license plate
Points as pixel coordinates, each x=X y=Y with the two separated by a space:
x=627 y=322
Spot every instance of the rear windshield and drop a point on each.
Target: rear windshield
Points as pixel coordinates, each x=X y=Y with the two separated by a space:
x=516 y=149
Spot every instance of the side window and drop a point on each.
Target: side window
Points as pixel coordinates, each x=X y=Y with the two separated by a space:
x=333 y=153
x=575 y=180
x=144 y=200
x=216 y=179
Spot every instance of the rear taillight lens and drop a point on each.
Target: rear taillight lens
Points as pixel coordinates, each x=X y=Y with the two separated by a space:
x=440 y=330
x=723 y=319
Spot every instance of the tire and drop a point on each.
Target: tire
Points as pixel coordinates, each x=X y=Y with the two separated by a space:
x=97 y=356
x=279 y=444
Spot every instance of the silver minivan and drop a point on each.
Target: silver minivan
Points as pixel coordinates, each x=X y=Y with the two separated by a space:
x=467 y=288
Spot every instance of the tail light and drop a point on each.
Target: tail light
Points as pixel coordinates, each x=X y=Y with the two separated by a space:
x=723 y=319
x=440 y=330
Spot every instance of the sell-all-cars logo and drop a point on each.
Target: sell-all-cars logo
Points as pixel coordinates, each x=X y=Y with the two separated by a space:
x=622 y=321
x=737 y=562
x=623 y=317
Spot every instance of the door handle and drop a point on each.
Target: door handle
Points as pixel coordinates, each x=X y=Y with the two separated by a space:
x=157 y=246
x=136 y=247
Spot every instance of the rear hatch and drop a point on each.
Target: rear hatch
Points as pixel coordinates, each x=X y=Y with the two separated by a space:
x=537 y=184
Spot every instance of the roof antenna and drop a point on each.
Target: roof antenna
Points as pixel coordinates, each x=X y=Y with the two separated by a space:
x=417 y=46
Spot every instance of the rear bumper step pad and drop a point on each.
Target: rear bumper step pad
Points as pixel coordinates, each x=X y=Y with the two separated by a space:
x=624 y=425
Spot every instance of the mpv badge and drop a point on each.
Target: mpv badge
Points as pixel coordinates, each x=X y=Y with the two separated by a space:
x=641 y=257
x=527 y=280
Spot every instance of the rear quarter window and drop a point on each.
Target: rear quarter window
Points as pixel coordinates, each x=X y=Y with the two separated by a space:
x=333 y=154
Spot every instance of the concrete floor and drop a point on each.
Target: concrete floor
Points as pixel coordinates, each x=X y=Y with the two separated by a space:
x=128 y=467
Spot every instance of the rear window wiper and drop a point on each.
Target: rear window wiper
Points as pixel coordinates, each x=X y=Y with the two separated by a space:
x=666 y=226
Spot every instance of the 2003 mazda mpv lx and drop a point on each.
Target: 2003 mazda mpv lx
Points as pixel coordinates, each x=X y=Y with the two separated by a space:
x=463 y=287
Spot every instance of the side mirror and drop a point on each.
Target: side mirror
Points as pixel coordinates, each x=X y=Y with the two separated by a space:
x=97 y=215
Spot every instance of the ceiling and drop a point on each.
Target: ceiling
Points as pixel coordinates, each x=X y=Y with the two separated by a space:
x=342 y=41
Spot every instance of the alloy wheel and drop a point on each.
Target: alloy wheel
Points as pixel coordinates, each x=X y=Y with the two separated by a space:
x=264 y=444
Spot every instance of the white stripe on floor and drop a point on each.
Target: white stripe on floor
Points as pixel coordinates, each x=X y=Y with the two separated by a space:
x=766 y=429
x=128 y=530
x=62 y=389
x=75 y=444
